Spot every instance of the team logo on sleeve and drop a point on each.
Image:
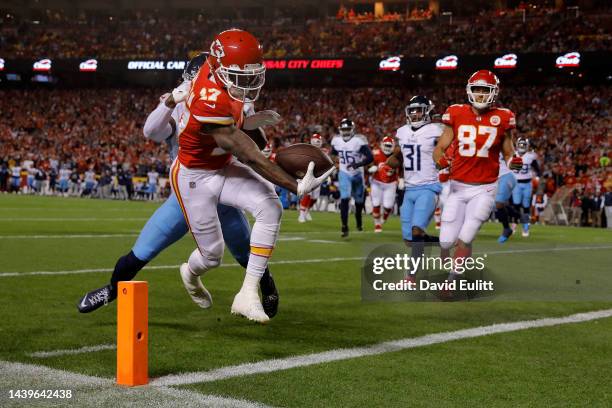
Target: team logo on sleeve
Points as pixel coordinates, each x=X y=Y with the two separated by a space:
x=495 y=120
x=216 y=49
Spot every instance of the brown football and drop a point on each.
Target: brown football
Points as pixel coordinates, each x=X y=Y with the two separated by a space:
x=295 y=158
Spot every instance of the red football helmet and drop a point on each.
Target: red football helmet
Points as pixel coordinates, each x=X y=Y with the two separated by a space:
x=236 y=60
x=387 y=145
x=482 y=89
x=316 y=140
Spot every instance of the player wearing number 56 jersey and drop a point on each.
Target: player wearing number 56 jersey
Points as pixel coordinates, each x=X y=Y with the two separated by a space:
x=480 y=132
x=352 y=152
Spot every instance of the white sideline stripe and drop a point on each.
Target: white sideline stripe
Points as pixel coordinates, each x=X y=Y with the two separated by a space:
x=67 y=236
x=298 y=261
x=267 y=366
x=86 y=349
x=228 y=265
x=97 y=391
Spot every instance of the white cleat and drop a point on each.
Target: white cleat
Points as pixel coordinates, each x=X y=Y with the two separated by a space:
x=194 y=287
x=525 y=234
x=308 y=216
x=301 y=217
x=248 y=305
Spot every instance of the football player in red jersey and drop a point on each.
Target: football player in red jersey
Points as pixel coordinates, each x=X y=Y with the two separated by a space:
x=218 y=163
x=383 y=182
x=480 y=131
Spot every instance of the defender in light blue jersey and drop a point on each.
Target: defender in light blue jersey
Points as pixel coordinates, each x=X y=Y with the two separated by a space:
x=352 y=152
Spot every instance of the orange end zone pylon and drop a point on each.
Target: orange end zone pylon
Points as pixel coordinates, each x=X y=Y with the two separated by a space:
x=132 y=333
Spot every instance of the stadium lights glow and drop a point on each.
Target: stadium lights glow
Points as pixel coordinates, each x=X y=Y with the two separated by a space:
x=506 y=62
x=91 y=65
x=448 y=62
x=43 y=65
x=1 y=64
x=571 y=59
x=390 y=64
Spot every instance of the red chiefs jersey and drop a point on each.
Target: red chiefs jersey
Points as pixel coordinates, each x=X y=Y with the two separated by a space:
x=478 y=140
x=207 y=103
x=385 y=173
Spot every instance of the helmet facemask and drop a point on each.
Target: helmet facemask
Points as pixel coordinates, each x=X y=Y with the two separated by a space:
x=245 y=84
x=481 y=94
x=347 y=133
x=418 y=115
x=522 y=146
x=387 y=147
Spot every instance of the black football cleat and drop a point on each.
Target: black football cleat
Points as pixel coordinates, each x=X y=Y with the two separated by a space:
x=359 y=228
x=345 y=231
x=97 y=298
x=269 y=294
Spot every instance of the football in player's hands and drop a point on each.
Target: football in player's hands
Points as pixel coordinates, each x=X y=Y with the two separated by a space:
x=295 y=159
x=373 y=169
x=516 y=163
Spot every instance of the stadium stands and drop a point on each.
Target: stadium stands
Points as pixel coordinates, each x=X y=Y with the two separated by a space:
x=156 y=35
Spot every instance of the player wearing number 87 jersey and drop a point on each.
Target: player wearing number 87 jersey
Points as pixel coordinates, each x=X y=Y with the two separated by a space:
x=480 y=132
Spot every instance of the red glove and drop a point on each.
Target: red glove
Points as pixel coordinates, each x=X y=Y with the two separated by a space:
x=516 y=163
x=443 y=163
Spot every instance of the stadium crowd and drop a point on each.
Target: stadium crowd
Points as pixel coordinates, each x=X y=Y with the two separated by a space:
x=156 y=35
x=53 y=141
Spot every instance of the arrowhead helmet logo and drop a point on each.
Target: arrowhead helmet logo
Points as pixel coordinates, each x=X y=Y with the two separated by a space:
x=216 y=49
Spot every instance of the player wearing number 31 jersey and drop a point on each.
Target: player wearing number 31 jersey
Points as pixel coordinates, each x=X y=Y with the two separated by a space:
x=416 y=141
x=480 y=132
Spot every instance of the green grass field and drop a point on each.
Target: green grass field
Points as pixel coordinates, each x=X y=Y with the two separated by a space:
x=319 y=276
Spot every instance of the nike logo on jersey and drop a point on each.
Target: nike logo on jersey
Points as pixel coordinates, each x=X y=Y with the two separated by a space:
x=210 y=105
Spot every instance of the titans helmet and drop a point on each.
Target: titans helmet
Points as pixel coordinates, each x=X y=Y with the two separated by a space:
x=418 y=111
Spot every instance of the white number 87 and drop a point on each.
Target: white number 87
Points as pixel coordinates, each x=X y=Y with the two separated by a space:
x=467 y=140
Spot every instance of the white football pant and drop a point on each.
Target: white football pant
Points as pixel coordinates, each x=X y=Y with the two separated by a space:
x=465 y=210
x=237 y=185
